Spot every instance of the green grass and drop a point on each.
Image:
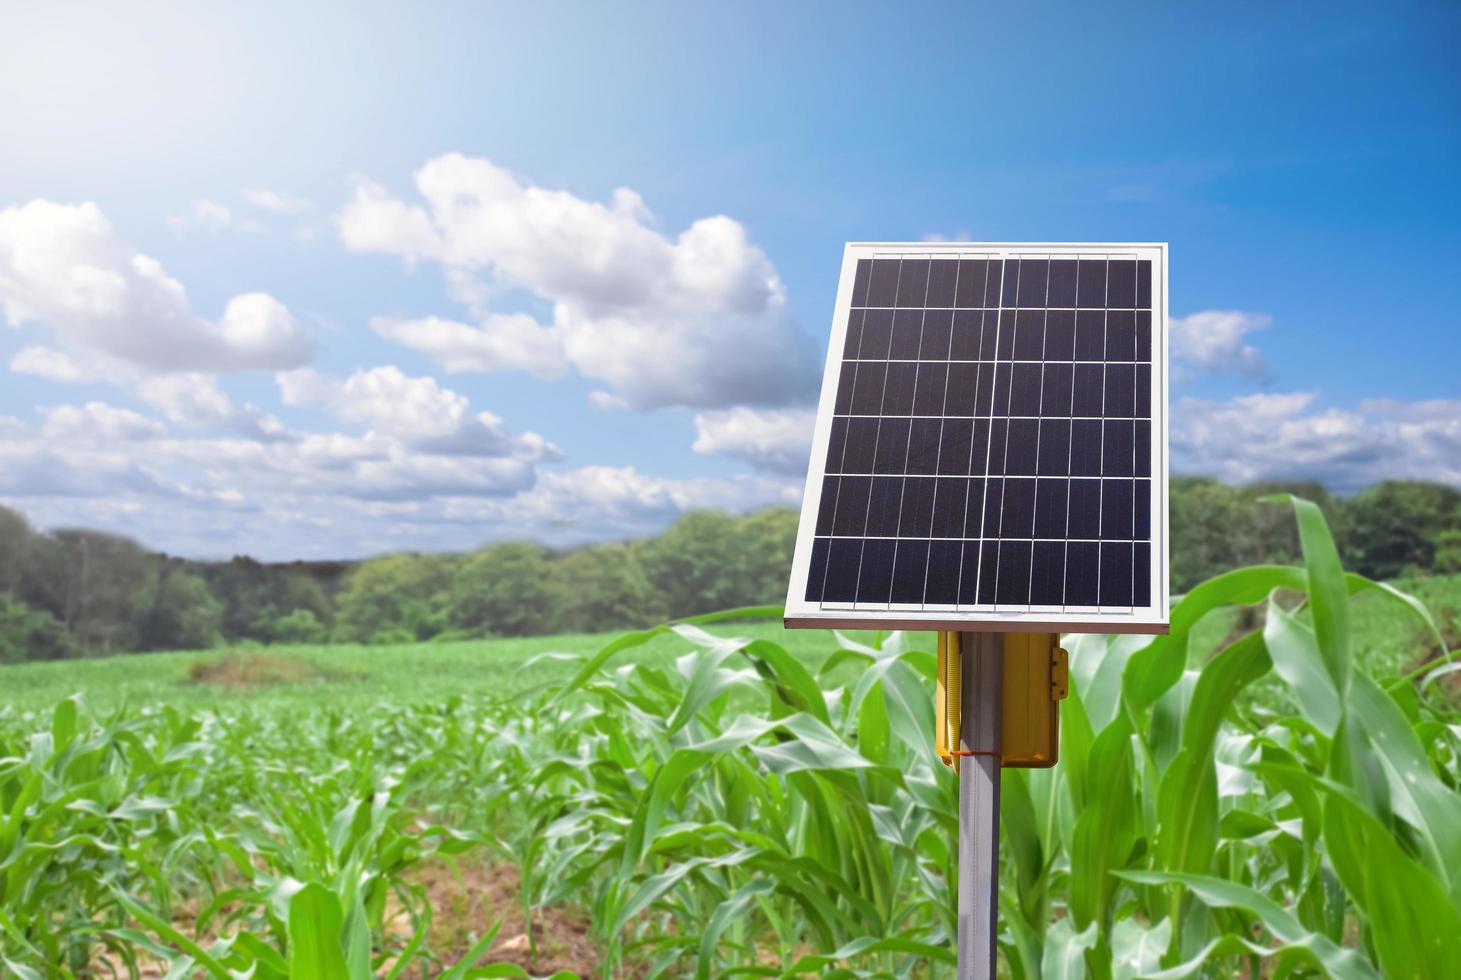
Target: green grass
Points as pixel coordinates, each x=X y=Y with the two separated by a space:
x=352 y=674
x=1386 y=642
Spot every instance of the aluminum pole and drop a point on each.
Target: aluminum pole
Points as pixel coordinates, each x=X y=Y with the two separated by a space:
x=983 y=656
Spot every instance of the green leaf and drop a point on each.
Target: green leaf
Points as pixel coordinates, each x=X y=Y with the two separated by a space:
x=793 y=683
x=1136 y=950
x=707 y=681
x=1327 y=588
x=1105 y=831
x=166 y=931
x=631 y=640
x=1020 y=829
x=868 y=946
x=907 y=702
x=315 y=924
x=1065 y=951
x=1152 y=670
x=20 y=970
x=1187 y=806
x=1296 y=658
x=1414 y=924
x=1415 y=793
x=874 y=734
x=63 y=723
x=1217 y=893
x=724 y=913
x=267 y=963
x=465 y=968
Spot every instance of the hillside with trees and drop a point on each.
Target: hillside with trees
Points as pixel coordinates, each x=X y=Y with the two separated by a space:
x=72 y=593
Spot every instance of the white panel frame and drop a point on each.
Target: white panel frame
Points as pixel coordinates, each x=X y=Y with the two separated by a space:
x=1153 y=617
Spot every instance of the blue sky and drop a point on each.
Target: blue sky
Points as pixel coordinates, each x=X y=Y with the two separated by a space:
x=264 y=268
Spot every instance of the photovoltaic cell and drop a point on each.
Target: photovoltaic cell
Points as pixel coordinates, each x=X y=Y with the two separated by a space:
x=990 y=446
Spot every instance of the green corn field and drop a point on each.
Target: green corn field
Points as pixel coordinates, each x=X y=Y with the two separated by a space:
x=1269 y=810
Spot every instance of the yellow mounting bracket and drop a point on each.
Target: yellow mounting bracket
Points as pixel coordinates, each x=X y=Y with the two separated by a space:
x=947 y=695
x=1036 y=679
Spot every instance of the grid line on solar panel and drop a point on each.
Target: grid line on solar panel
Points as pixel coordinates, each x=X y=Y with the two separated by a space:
x=898 y=376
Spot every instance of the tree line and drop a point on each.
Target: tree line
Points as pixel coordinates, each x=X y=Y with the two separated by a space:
x=70 y=593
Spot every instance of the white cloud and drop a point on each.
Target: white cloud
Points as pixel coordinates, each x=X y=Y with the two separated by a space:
x=1213 y=342
x=277 y=201
x=211 y=216
x=329 y=494
x=373 y=221
x=346 y=497
x=261 y=212
x=774 y=440
x=614 y=494
x=197 y=400
x=187 y=398
x=597 y=502
x=1288 y=436
x=96 y=422
x=511 y=341
x=53 y=365
x=86 y=453
x=607 y=401
x=418 y=411
x=63 y=266
x=699 y=319
x=70 y=479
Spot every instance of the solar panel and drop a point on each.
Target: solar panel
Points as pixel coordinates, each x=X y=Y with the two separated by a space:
x=990 y=447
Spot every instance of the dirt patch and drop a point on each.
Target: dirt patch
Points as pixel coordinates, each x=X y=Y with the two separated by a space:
x=468 y=901
x=245 y=670
x=468 y=898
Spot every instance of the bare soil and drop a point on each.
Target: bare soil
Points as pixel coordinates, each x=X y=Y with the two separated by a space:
x=236 y=669
x=468 y=901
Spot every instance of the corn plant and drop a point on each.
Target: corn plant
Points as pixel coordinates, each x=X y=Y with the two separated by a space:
x=1187 y=831
x=1269 y=810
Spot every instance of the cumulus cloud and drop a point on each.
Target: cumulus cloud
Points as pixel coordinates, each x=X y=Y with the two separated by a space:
x=1290 y=436
x=418 y=411
x=64 y=267
x=1213 y=342
x=774 y=440
x=330 y=494
x=607 y=401
x=53 y=365
x=197 y=400
x=322 y=474
x=511 y=341
x=697 y=319
x=96 y=422
x=70 y=479
x=597 y=502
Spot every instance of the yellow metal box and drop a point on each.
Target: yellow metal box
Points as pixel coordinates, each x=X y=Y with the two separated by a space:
x=1036 y=679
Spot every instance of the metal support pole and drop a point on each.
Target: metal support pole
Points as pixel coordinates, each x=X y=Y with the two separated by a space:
x=983 y=682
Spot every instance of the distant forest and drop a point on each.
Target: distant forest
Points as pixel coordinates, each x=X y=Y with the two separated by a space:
x=75 y=593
